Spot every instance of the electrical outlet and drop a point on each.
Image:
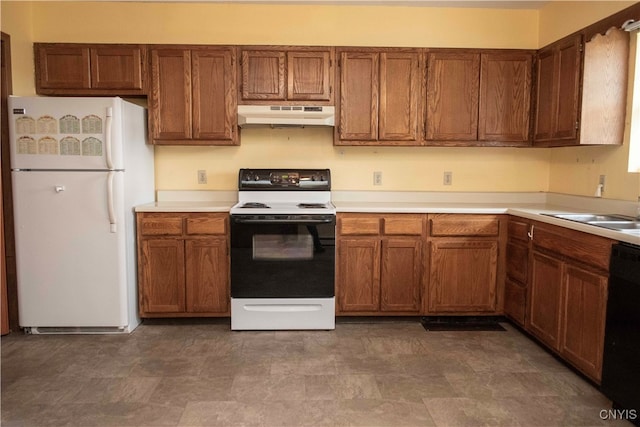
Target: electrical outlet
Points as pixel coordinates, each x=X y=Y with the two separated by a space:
x=202 y=176
x=377 y=178
x=602 y=180
x=447 y=178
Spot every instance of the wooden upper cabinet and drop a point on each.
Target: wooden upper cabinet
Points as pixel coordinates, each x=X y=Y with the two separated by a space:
x=309 y=76
x=88 y=69
x=213 y=84
x=286 y=74
x=568 y=89
x=170 y=96
x=380 y=93
x=478 y=97
x=193 y=96
x=604 y=88
x=359 y=76
x=505 y=97
x=453 y=86
x=116 y=68
x=62 y=67
x=263 y=75
x=399 y=96
x=546 y=66
x=558 y=91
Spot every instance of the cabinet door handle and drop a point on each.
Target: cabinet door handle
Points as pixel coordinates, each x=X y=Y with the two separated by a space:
x=530 y=232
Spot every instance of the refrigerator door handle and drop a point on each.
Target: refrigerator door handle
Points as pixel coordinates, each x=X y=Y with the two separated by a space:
x=110 y=208
x=107 y=137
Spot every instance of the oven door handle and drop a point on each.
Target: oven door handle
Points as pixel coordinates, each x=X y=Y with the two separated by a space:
x=282 y=221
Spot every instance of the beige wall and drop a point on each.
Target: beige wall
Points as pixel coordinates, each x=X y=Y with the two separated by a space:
x=474 y=169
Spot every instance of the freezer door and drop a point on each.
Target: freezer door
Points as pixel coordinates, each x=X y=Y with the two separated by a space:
x=71 y=266
x=66 y=133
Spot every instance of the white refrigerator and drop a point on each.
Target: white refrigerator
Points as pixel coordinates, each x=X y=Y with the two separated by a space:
x=79 y=166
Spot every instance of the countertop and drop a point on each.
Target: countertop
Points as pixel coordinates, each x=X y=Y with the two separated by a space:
x=532 y=206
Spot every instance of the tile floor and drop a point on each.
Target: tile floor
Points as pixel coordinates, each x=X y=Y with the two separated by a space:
x=361 y=374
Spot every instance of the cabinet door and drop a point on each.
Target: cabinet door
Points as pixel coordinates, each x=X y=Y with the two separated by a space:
x=401 y=275
x=309 y=76
x=543 y=318
x=263 y=75
x=170 y=97
x=207 y=275
x=116 y=68
x=214 y=94
x=453 y=81
x=583 y=319
x=463 y=276
x=558 y=91
x=399 y=94
x=544 y=119
x=61 y=67
x=515 y=301
x=161 y=277
x=359 y=275
x=358 y=96
x=517 y=261
x=505 y=87
x=568 y=92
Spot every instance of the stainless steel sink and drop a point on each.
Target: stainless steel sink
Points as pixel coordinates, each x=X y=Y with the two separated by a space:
x=593 y=217
x=616 y=222
x=617 y=225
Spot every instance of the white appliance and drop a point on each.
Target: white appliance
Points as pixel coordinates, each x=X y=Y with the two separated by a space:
x=283 y=250
x=285 y=115
x=79 y=165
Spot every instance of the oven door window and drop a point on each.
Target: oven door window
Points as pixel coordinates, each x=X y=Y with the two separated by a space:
x=282 y=260
x=289 y=247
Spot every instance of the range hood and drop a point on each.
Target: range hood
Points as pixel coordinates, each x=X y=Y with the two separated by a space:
x=285 y=115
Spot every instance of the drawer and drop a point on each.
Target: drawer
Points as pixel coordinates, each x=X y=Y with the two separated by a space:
x=206 y=224
x=464 y=225
x=518 y=230
x=160 y=225
x=359 y=225
x=583 y=247
x=404 y=224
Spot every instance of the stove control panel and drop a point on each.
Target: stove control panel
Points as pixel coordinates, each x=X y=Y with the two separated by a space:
x=284 y=179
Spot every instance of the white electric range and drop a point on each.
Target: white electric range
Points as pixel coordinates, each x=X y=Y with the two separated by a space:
x=283 y=250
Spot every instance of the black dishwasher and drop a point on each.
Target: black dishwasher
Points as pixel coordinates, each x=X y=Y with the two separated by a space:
x=621 y=359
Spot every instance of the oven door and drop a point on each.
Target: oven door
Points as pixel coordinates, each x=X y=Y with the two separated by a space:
x=282 y=256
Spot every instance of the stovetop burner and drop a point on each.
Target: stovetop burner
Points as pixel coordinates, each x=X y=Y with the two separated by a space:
x=255 y=205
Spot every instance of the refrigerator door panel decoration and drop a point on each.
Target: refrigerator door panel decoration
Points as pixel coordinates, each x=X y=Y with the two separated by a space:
x=66 y=133
x=73 y=207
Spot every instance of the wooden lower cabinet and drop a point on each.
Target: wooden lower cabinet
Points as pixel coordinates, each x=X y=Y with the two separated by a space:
x=463 y=276
x=517 y=266
x=583 y=319
x=401 y=277
x=161 y=268
x=515 y=301
x=183 y=265
x=359 y=275
x=544 y=299
x=206 y=284
x=380 y=264
x=568 y=295
x=465 y=266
